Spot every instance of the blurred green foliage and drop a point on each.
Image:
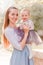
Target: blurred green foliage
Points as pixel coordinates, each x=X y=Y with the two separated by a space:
x=37 y=15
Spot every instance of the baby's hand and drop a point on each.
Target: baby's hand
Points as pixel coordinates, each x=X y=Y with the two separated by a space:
x=25 y=28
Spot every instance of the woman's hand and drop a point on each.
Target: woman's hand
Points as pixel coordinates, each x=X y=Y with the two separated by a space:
x=26 y=30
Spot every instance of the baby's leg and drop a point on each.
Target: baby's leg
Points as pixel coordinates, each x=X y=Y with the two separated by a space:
x=30 y=51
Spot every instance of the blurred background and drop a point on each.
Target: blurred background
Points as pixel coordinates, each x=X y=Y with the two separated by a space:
x=36 y=10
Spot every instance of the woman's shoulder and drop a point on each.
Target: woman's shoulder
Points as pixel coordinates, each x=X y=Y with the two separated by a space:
x=8 y=30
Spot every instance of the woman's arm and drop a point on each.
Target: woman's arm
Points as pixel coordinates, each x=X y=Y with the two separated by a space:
x=23 y=42
x=12 y=38
x=26 y=30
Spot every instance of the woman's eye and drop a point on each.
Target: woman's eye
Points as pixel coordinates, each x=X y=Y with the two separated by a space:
x=14 y=14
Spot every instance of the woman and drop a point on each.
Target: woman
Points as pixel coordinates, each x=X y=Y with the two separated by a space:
x=20 y=53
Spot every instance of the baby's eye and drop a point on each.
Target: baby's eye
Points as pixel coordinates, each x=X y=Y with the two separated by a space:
x=25 y=15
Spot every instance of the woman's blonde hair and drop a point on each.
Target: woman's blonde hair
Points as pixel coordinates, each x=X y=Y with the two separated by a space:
x=6 y=23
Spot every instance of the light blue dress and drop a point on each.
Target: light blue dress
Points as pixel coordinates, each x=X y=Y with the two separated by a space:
x=19 y=56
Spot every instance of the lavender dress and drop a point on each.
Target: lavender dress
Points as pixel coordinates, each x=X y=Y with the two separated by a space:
x=19 y=56
x=32 y=35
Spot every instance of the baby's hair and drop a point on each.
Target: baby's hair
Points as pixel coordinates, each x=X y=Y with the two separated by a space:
x=25 y=9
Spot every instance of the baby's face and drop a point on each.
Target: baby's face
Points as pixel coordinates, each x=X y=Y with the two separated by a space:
x=25 y=15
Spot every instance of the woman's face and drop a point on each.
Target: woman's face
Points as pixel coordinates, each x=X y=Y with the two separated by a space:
x=13 y=15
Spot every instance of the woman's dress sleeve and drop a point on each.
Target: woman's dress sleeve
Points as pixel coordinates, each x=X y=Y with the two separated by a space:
x=13 y=39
